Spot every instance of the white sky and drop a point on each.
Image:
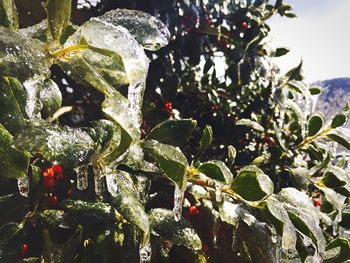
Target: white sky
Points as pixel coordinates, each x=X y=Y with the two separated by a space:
x=320 y=35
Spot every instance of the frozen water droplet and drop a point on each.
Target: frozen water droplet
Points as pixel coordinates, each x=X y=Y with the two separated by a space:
x=100 y=187
x=145 y=253
x=135 y=97
x=218 y=193
x=178 y=199
x=82 y=177
x=23 y=185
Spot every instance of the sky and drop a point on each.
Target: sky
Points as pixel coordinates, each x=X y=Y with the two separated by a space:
x=320 y=36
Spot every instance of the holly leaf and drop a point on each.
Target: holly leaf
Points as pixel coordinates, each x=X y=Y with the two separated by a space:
x=170 y=159
x=180 y=232
x=315 y=124
x=172 y=132
x=8 y=15
x=216 y=170
x=252 y=184
x=58 y=16
x=14 y=163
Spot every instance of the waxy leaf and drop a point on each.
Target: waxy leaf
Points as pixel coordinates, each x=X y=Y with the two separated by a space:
x=58 y=16
x=172 y=132
x=216 y=170
x=170 y=159
x=179 y=232
x=68 y=146
x=14 y=163
x=8 y=15
x=252 y=184
x=339 y=120
x=315 y=124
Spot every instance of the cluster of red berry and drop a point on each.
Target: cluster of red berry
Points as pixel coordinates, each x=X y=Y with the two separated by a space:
x=51 y=176
x=168 y=106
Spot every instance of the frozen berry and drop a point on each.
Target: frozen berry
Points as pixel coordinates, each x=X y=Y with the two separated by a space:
x=193 y=211
x=49 y=182
x=316 y=201
x=245 y=25
x=57 y=169
x=168 y=106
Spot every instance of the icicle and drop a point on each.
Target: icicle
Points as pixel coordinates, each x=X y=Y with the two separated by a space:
x=218 y=193
x=178 y=199
x=23 y=185
x=335 y=223
x=82 y=177
x=135 y=97
x=234 y=244
x=145 y=253
x=99 y=185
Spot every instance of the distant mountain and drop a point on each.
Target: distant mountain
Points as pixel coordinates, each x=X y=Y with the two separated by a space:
x=335 y=95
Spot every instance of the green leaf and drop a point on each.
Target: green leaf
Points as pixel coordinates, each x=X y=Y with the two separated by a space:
x=339 y=120
x=116 y=108
x=341 y=136
x=51 y=219
x=72 y=246
x=273 y=208
x=281 y=52
x=58 y=16
x=251 y=124
x=172 y=132
x=8 y=15
x=315 y=124
x=295 y=73
x=179 y=232
x=343 y=255
x=315 y=90
x=206 y=138
x=337 y=179
x=231 y=155
x=71 y=147
x=170 y=159
x=16 y=207
x=14 y=163
x=252 y=184
x=11 y=114
x=126 y=201
x=216 y=170
x=303 y=215
x=50 y=97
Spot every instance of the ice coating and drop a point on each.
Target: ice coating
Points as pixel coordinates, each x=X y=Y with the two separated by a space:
x=33 y=104
x=145 y=253
x=178 y=199
x=37 y=31
x=23 y=185
x=22 y=57
x=82 y=177
x=149 y=31
x=119 y=40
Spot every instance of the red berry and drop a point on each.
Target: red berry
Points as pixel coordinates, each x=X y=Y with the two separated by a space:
x=214 y=108
x=24 y=250
x=245 y=25
x=317 y=201
x=52 y=200
x=168 y=106
x=48 y=172
x=49 y=182
x=193 y=211
x=57 y=168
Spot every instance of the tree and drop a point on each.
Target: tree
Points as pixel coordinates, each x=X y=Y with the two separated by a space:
x=250 y=163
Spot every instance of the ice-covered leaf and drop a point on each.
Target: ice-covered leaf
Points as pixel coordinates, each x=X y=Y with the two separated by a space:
x=116 y=108
x=179 y=232
x=338 y=179
x=52 y=218
x=281 y=51
x=230 y=212
x=16 y=207
x=14 y=163
x=58 y=16
x=126 y=201
x=315 y=124
x=11 y=238
x=252 y=184
x=216 y=170
x=37 y=31
x=23 y=58
x=231 y=155
x=72 y=147
x=170 y=159
x=8 y=14
x=251 y=124
x=303 y=215
x=172 y=132
x=343 y=254
x=90 y=215
x=205 y=140
x=11 y=109
x=341 y=136
x=273 y=208
x=339 y=120
x=149 y=31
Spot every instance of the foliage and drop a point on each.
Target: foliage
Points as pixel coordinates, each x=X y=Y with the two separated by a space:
x=250 y=162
